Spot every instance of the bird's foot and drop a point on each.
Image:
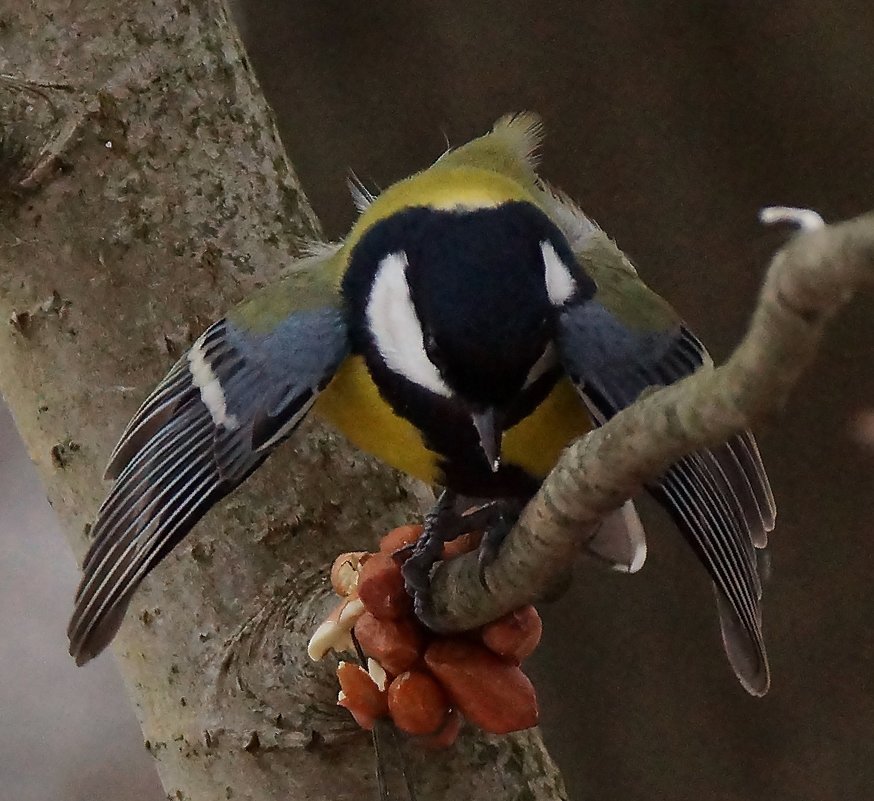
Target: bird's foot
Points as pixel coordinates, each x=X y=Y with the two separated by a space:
x=443 y=524
x=495 y=534
x=419 y=557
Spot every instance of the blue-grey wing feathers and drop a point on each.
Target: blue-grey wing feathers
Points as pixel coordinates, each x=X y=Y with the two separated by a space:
x=213 y=419
x=720 y=497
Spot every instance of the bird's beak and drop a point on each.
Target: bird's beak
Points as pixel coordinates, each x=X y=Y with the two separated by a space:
x=490 y=434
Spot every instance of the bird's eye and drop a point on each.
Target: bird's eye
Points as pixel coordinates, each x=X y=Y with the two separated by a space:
x=432 y=349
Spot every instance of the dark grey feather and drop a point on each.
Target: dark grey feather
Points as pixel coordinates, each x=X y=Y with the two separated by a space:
x=747 y=451
x=737 y=601
x=720 y=497
x=215 y=417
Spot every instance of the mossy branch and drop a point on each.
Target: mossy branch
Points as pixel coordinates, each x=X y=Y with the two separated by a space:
x=809 y=280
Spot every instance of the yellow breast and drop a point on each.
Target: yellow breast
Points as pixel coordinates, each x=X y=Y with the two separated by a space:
x=352 y=404
x=536 y=441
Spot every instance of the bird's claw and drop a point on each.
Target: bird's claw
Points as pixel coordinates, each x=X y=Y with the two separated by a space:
x=416 y=569
x=493 y=538
x=426 y=551
x=443 y=524
x=424 y=611
x=488 y=550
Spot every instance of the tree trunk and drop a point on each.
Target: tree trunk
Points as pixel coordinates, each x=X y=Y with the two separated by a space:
x=143 y=190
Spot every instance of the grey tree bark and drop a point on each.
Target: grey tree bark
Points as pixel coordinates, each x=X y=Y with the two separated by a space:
x=143 y=190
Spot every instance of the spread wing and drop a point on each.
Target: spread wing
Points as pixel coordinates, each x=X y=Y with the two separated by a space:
x=214 y=418
x=720 y=498
x=614 y=347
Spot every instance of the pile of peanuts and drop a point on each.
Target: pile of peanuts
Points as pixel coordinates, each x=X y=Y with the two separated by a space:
x=426 y=683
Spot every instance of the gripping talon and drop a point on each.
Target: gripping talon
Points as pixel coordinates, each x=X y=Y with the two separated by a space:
x=494 y=537
x=442 y=524
x=426 y=551
x=423 y=610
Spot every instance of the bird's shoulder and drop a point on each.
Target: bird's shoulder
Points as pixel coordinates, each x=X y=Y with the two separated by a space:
x=309 y=283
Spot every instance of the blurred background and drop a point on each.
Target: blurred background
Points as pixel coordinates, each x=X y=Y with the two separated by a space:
x=671 y=124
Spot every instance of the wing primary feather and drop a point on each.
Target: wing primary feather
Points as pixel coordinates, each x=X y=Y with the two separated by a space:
x=156 y=410
x=137 y=482
x=726 y=508
x=157 y=440
x=723 y=493
x=681 y=504
x=715 y=548
x=741 y=629
x=741 y=480
x=135 y=503
x=114 y=602
x=746 y=654
x=135 y=495
x=714 y=538
x=736 y=546
x=142 y=557
x=748 y=452
x=111 y=579
x=167 y=389
x=137 y=513
x=187 y=420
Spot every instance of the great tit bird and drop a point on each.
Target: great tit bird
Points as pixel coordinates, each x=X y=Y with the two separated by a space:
x=473 y=323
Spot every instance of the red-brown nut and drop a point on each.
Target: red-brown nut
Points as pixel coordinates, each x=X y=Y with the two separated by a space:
x=360 y=695
x=399 y=537
x=396 y=644
x=515 y=636
x=345 y=571
x=491 y=693
x=417 y=703
x=381 y=588
x=447 y=735
x=463 y=544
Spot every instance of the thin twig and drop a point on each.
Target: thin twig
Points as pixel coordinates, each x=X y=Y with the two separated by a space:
x=36 y=87
x=33 y=84
x=382 y=732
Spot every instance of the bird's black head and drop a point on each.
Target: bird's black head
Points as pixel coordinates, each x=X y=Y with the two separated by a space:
x=461 y=302
x=477 y=283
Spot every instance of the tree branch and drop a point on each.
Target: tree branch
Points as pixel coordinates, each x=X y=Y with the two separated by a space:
x=160 y=197
x=809 y=280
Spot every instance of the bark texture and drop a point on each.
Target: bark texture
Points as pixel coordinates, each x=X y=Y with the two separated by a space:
x=143 y=190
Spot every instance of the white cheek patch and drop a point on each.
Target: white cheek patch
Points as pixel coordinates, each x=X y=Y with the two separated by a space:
x=211 y=392
x=396 y=330
x=560 y=284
